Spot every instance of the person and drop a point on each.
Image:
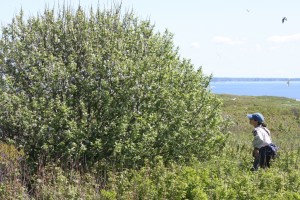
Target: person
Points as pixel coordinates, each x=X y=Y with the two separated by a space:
x=261 y=142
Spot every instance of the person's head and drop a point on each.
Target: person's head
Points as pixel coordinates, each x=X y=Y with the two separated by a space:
x=256 y=119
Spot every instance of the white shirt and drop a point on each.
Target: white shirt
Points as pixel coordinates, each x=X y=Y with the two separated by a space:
x=262 y=137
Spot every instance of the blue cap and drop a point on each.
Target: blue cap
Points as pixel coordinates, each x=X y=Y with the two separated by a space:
x=257 y=117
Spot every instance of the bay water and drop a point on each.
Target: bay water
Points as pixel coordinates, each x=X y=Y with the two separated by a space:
x=289 y=89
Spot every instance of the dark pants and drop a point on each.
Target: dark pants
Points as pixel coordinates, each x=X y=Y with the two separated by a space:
x=263 y=159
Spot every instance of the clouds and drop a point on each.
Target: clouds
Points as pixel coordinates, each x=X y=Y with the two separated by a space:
x=195 y=45
x=276 y=39
x=284 y=38
x=270 y=43
x=228 y=41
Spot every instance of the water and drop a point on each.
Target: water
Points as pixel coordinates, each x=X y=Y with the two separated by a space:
x=258 y=88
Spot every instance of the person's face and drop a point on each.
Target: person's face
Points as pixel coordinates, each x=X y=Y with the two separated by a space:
x=253 y=122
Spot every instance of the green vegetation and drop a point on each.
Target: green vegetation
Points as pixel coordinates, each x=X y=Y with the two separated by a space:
x=282 y=117
x=11 y=167
x=225 y=176
x=102 y=89
x=228 y=175
x=98 y=106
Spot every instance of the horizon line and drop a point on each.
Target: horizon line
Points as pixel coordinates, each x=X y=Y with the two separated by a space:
x=254 y=77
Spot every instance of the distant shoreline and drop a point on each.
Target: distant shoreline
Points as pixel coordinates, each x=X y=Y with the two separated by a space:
x=257 y=87
x=222 y=79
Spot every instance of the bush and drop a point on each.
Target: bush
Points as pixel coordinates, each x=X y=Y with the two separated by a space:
x=102 y=87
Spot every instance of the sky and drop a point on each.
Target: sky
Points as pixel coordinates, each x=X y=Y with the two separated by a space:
x=227 y=38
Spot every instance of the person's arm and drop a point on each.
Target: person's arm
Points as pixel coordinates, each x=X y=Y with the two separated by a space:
x=255 y=153
x=257 y=142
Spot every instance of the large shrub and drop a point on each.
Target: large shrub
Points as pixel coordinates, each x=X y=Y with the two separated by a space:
x=102 y=87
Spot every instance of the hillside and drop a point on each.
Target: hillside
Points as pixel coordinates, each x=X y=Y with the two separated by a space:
x=282 y=116
x=225 y=176
x=228 y=175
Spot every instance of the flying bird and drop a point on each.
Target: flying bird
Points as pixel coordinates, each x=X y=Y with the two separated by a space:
x=284 y=19
x=248 y=10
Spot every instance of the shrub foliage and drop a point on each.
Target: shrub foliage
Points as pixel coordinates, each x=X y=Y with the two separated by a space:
x=102 y=86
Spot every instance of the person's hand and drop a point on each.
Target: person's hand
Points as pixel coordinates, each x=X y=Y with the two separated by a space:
x=255 y=153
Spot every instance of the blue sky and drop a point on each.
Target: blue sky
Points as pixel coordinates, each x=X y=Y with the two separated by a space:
x=232 y=38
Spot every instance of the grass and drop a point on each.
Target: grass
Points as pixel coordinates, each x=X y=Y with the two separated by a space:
x=226 y=176
x=282 y=116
